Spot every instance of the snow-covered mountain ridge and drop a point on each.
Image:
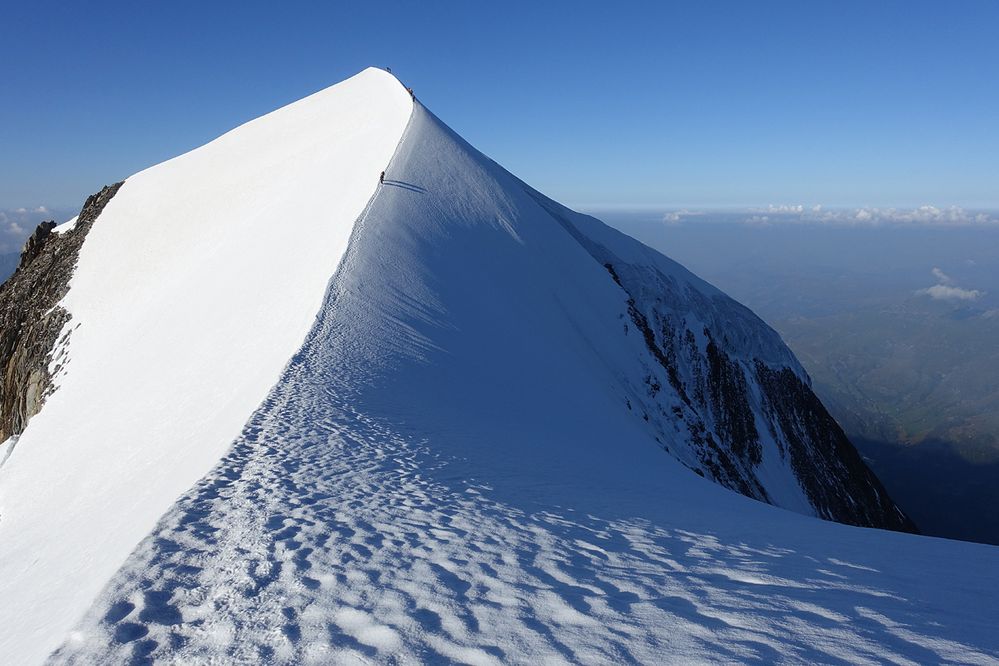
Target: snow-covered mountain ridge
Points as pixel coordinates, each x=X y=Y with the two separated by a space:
x=463 y=461
x=740 y=410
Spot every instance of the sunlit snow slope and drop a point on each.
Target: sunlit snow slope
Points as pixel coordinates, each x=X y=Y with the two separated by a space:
x=194 y=289
x=448 y=471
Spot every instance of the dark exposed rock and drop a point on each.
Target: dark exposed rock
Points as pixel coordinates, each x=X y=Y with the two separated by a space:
x=819 y=450
x=34 y=243
x=714 y=388
x=667 y=358
x=30 y=319
x=729 y=402
x=715 y=391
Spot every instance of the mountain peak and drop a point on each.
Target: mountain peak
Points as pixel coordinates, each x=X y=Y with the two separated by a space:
x=305 y=409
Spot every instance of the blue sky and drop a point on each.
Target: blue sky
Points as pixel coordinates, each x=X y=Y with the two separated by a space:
x=696 y=104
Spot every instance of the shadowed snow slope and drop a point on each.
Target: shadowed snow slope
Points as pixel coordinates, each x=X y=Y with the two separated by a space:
x=449 y=470
x=194 y=289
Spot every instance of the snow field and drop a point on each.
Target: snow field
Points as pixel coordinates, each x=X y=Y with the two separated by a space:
x=326 y=536
x=196 y=285
x=446 y=472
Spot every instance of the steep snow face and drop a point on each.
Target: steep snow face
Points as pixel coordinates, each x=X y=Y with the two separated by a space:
x=193 y=290
x=448 y=471
x=721 y=391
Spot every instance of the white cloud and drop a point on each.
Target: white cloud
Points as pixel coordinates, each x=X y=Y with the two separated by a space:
x=677 y=216
x=872 y=216
x=945 y=290
x=941 y=277
x=942 y=292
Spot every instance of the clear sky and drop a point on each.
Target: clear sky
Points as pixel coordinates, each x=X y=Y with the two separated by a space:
x=886 y=103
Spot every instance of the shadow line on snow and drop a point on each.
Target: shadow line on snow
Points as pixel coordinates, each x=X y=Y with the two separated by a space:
x=406 y=186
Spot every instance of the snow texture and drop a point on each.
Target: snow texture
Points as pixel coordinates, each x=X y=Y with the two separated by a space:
x=445 y=472
x=198 y=283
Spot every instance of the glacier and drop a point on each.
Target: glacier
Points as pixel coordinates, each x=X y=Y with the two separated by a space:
x=451 y=451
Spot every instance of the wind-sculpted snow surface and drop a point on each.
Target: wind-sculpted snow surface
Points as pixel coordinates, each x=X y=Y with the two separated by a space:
x=195 y=286
x=447 y=471
x=329 y=537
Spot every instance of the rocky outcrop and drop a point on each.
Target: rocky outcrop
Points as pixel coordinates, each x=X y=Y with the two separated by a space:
x=819 y=450
x=30 y=317
x=33 y=246
x=731 y=401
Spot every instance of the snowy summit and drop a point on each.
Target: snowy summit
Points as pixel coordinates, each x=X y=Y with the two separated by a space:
x=336 y=387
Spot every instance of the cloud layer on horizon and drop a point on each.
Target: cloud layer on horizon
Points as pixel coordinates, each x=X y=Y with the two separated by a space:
x=954 y=216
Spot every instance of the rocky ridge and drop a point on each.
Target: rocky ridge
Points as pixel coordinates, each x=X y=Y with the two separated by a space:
x=31 y=319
